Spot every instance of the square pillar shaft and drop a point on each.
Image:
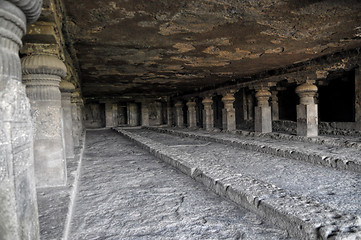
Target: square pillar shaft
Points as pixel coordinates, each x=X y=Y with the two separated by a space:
x=263 y=116
x=229 y=113
x=145 y=114
x=358 y=98
x=192 y=117
x=66 y=89
x=179 y=114
x=111 y=113
x=42 y=88
x=307 y=111
x=18 y=201
x=250 y=107
x=208 y=118
x=132 y=114
x=274 y=106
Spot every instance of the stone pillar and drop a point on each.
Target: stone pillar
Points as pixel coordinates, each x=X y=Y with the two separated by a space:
x=228 y=112
x=109 y=119
x=192 y=117
x=250 y=106
x=158 y=107
x=169 y=113
x=76 y=113
x=358 y=98
x=42 y=75
x=245 y=105
x=66 y=89
x=179 y=113
x=18 y=204
x=263 y=116
x=115 y=114
x=274 y=106
x=307 y=110
x=145 y=114
x=208 y=118
x=132 y=114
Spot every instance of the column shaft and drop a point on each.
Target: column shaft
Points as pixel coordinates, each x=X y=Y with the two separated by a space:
x=18 y=203
x=358 y=98
x=76 y=103
x=208 y=118
x=66 y=89
x=307 y=111
x=229 y=113
x=145 y=114
x=179 y=114
x=274 y=106
x=250 y=106
x=192 y=117
x=132 y=114
x=42 y=75
x=263 y=117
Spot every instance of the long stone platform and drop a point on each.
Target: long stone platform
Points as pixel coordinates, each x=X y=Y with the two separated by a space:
x=309 y=200
x=126 y=193
x=335 y=152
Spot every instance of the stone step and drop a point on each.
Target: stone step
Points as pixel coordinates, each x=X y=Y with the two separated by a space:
x=316 y=152
x=295 y=206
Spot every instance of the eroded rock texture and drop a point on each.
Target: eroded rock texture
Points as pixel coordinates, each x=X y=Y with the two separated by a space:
x=129 y=48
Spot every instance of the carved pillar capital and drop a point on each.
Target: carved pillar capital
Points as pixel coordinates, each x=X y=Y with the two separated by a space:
x=306 y=92
x=42 y=75
x=263 y=95
x=207 y=102
x=31 y=8
x=228 y=100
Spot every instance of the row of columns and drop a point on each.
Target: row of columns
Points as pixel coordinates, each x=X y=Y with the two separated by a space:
x=265 y=111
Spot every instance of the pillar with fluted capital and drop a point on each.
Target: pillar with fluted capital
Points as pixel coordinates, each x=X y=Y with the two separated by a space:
x=208 y=118
x=145 y=114
x=228 y=112
x=274 y=105
x=262 y=114
x=192 y=117
x=307 y=110
x=42 y=75
x=18 y=203
x=66 y=89
x=179 y=114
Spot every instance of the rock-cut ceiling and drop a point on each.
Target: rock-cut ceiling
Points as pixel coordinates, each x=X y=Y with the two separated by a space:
x=135 y=48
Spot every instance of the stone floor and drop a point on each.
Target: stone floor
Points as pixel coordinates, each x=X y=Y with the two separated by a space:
x=337 y=188
x=309 y=200
x=125 y=193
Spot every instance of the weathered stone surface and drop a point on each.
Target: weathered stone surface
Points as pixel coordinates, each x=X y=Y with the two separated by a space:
x=314 y=150
x=66 y=89
x=166 y=47
x=262 y=184
x=124 y=193
x=42 y=75
x=18 y=204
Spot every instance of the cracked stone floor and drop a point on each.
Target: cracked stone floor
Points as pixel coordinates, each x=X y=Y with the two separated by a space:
x=126 y=193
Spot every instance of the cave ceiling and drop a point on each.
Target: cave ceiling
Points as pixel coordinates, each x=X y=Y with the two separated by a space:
x=140 y=48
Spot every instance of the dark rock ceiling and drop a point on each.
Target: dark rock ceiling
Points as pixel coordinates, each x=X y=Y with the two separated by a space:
x=162 y=47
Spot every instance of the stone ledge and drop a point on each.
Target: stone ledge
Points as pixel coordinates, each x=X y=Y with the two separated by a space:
x=302 y=217
x=341 y=163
